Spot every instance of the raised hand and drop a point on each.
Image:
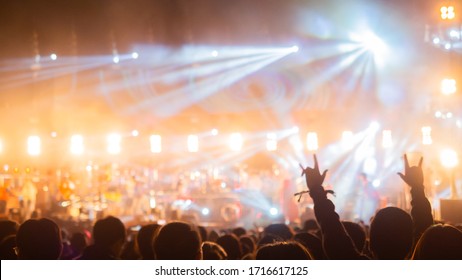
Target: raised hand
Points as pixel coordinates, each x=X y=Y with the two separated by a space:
x=413 y=175
x=313 y=176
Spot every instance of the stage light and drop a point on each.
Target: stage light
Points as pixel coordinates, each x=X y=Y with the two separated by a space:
x=454 y=34
x=376 y=183
x=370 y=165
x=449 y=158
x=193 y=143
x=448 y=115
x=116 y=59
x=135 y=55
x=436 y=40
x=214 y=53
x=312 y=141
x=438 y=114
x=89 y=168
x=295 y=129
x=273 y=211
x=156 y=143
x=235 y=142
x=347 y=139
x=135 y=133
x=152 y=202
x=214 y=132
x=205 y=211
x=447 y=46
x=77 y=144
x=53 y=56
x=447 y=12
x=271 y=142
x=54 y=134
x=6 y=167
x=448 y=86
x=294 y=49
x=374 y=44
x=33 y=145
x=113 y=143
x=374 y=126
x=427 y=135
x=387 y=141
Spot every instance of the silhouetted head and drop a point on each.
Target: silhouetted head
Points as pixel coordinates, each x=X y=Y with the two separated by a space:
x=109 y=233
x=145 y=240
x=312 y=243
x=439 y=242
x=7 y=248
x=232 y=246
x=39 y=240
x=310 y=225
x=213 y=251
x=239 y=231
x=283 y=251
x=281 y=230
x=177 y=241
x=268 y=239
x=356 y=233
x=7 y=227
x=391 y=234
x=78 y=242
x=248 y=245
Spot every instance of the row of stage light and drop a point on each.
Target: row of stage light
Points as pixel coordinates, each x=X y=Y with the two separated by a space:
x=236 y=141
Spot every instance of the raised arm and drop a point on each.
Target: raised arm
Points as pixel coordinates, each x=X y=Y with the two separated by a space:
x=336 y=242
x=421 y=210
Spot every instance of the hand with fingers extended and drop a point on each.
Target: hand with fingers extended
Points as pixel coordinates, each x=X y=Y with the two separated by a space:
x=314 y=178
x=413 y=175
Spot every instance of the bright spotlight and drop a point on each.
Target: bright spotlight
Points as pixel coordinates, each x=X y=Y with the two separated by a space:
x=235 y=142
x=77 y=144
x=370 y=165
x=387 y=141
x=273 y=211
x=54 y=134
x=312 y=141
x=376 y=183
x=447 y=12
x=427 y=135
x=214 y=132
x=271 y=142
x=448 y=86
x=193 y=143
x=156 y=143
x=374 y=44
x=135 y=133
x=135 y=55
x=436 y=40
x=53 y=56
x=454 y=34
x=449 y=158
x=113 y=143
x=347 y=139
x=294 y=49
x=205 y=211
x=374 y=126
x=214 y=53
x=447 y=46
x=33 y=145
x=116 y=59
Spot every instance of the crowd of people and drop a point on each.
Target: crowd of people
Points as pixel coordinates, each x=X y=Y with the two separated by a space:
x=393 y=234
